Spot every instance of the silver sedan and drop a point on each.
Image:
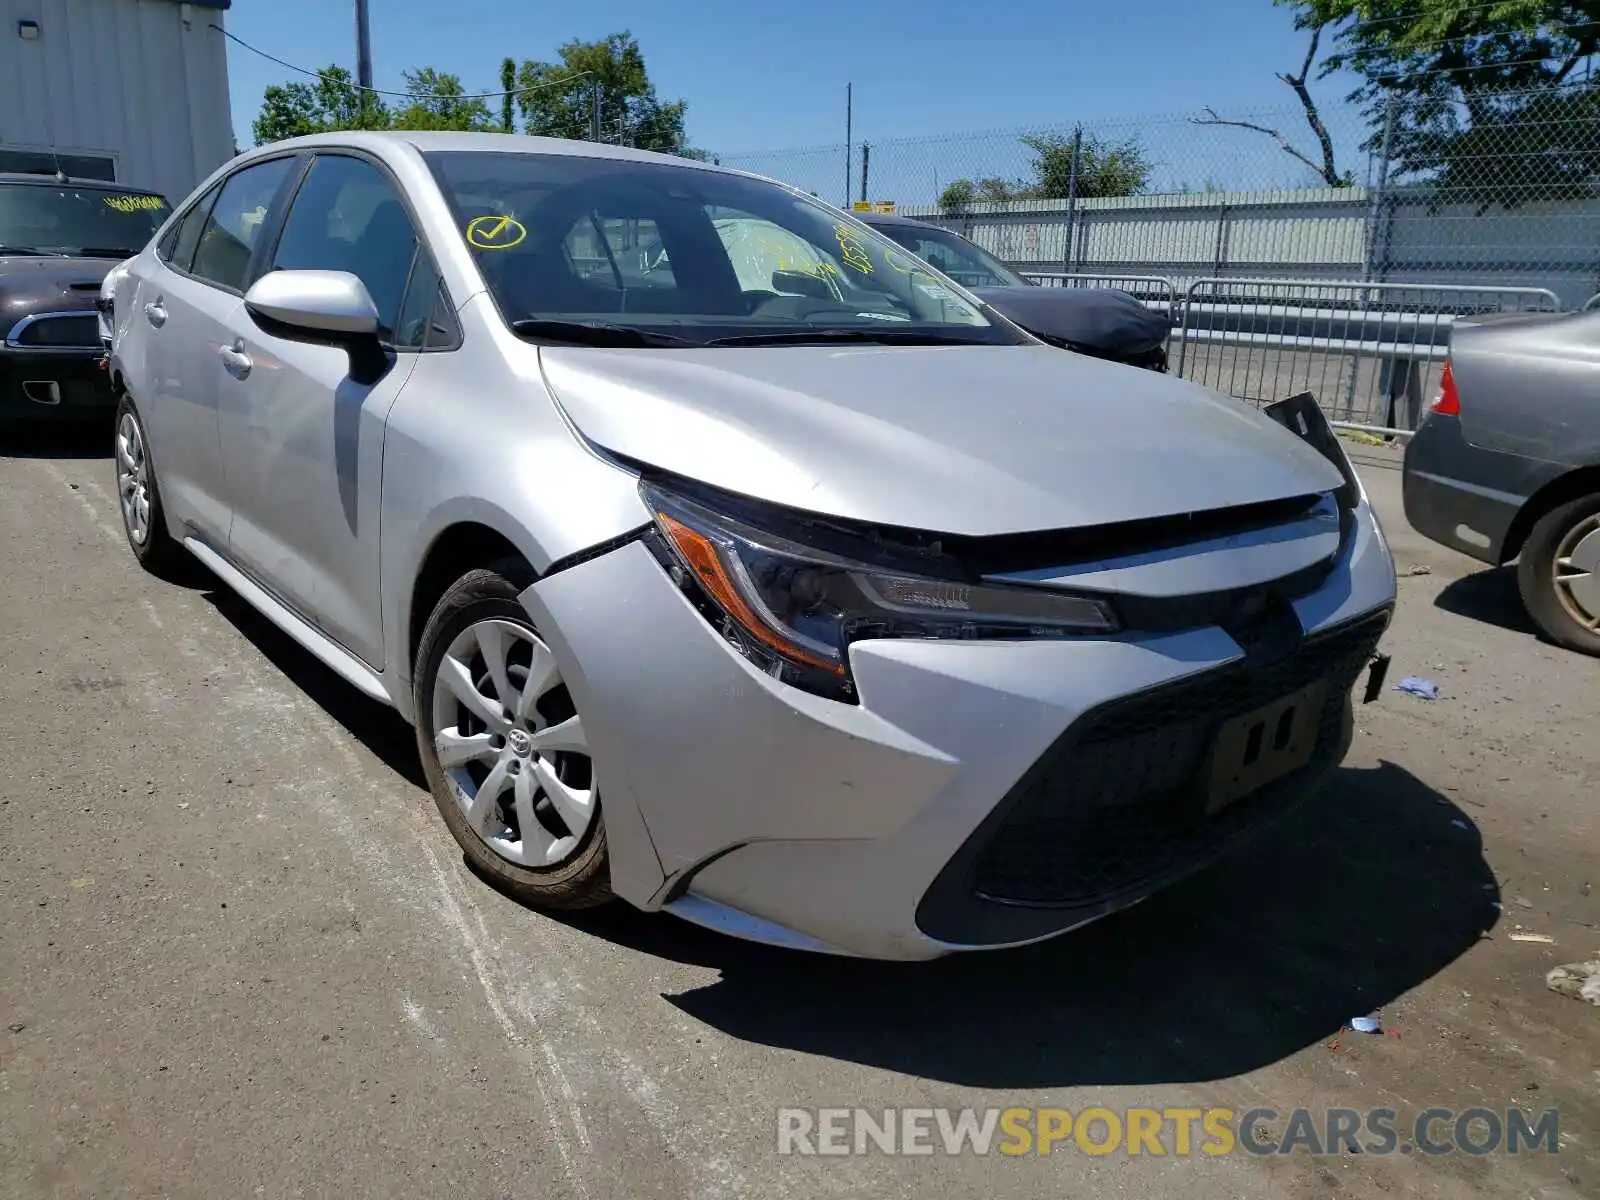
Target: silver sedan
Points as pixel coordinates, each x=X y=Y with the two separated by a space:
x=727 y=558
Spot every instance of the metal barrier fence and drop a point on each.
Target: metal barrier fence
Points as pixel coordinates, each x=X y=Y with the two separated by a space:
x=1370 y=352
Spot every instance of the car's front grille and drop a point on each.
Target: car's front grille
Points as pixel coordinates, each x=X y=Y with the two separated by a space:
x=1117 y=802
x=78 y=330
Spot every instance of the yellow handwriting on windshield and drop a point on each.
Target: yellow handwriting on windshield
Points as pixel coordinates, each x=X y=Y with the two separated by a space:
x=907 y=266
x=852 y=249
x=129 y=204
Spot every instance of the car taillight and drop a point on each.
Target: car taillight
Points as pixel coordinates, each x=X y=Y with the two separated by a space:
x=1448 y=403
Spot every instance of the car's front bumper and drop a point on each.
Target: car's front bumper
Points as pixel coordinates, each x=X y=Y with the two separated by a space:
x=878 y=829
x=57 y=385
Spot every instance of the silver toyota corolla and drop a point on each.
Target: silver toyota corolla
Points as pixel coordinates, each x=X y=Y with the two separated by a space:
x=728 y=559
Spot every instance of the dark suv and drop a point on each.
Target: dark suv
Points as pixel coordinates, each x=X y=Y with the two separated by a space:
x=58 y=239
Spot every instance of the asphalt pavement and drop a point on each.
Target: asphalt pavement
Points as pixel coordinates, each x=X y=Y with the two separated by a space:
x=240 y=956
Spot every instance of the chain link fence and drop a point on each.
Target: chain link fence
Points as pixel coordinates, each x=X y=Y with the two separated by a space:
x=1231 y=219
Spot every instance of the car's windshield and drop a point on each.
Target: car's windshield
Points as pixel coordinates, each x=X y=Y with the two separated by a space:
x=703 y=256
x=967 y=263
x=66 y=219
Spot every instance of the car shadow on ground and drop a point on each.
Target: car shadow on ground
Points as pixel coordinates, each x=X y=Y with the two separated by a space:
x=1338 y=910
x=1490 y=597
x=75 y=440
x=379 y=728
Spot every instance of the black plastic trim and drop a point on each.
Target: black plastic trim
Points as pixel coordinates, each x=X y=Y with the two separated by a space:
x=953 y=911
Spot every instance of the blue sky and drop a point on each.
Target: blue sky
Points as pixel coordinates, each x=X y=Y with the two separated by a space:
x=768 y=77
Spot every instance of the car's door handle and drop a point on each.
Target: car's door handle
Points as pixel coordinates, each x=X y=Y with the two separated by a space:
x=235 y=359
x=156 y=313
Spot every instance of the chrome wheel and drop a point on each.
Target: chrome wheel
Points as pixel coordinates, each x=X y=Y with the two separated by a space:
x=511 y=744
x=133 y=479
x=1577 y=572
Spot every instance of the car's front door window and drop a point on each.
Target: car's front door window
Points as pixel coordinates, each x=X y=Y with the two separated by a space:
x=347 y=216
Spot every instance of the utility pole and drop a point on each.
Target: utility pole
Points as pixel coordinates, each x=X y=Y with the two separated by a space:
x=364 y=54
x=594 y=115
x=849 y=114
x=866 y=157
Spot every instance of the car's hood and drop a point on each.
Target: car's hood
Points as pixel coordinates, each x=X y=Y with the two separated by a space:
x=31 y=285
x=1103 y=318
x=971 y=440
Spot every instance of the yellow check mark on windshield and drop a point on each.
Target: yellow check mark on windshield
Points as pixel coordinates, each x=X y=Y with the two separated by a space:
x=493 y=232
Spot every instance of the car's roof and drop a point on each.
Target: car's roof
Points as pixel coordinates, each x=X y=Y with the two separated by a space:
x=495 y=143
x=104 y=185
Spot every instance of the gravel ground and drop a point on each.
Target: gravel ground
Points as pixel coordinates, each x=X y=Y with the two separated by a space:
x=241 y=957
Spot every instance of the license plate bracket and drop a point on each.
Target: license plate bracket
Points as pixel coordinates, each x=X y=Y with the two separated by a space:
x=1266 y=744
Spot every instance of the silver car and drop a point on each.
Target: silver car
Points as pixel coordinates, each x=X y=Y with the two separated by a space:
x=802 y=596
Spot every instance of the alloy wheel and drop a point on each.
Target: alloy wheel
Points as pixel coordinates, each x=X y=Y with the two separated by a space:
x=512 y=745
x=1576 y=572
x=133 y=479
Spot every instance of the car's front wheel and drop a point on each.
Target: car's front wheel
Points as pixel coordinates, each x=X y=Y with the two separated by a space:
x=504 y=748
x=138 y=496
x=1559 y=574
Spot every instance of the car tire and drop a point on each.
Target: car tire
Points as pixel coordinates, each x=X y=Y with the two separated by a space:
x=144 y=518
x=514 y=811
x=1558 y=577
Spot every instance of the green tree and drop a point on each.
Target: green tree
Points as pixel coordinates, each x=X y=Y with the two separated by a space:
x=1104 y=168
x=508 y=102
x=557 y=99
x=1492 y=103
x=332 y=102
x=957 y=197
x=438 y=101
x=994 y=190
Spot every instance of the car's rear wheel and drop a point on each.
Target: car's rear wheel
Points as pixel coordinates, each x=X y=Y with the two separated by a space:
x=1559 y=574
x=139 y=496
x=504 y=748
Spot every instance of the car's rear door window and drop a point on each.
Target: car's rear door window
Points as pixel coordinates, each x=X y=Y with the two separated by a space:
x=178 y=247
x=235 y=222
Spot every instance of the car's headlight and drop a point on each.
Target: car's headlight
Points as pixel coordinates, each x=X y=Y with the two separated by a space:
x=794 y=609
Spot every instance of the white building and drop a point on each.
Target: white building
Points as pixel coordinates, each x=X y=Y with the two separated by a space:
x=130 y=90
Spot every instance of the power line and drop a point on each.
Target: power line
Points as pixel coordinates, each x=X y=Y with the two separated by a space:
x=323 y=75
x=1551 y=31
x=1413 y=15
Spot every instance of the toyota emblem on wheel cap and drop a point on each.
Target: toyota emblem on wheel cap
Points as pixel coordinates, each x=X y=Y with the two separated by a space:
x=521 y=744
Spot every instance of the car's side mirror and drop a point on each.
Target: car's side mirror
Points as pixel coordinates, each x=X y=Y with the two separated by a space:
x=329 y=308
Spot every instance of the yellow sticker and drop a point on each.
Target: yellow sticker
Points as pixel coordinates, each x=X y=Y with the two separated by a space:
x=493 y=232
x=129 y=204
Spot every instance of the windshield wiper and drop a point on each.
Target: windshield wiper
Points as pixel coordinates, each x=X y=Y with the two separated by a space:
x=106 y=252
x=597 y=333
x=28 y=250
x=882 y=337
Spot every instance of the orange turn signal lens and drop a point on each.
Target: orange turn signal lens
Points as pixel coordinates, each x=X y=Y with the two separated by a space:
x=702 y=557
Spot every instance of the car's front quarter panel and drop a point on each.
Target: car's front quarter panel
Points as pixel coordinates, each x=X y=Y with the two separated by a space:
x=475 y=439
